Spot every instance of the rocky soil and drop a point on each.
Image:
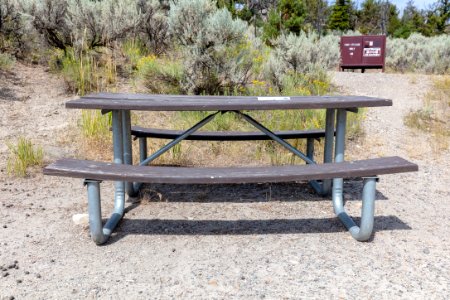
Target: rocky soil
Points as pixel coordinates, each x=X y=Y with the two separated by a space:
x=219 y=242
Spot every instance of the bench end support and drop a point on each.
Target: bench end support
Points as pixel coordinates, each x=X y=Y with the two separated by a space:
x=364 y=231
x=100 y=234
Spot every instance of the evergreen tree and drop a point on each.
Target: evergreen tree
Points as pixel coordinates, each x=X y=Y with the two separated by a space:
x=341 y=16
x=370 y=17
x=393 y=20
x=289 y=16
x=442 y=13
x=316 y=14
x=292 y=15
x=272 y=28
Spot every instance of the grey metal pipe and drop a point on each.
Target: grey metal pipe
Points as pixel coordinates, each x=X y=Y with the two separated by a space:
x=310 y=148
x=328 y=147
x=98 y=233
x=127 y=149
x=179 y=139
x=95 y=212
x=364 y=231
x=101 y=234
x=142 y=149
x=119 y=195
x=341 y=123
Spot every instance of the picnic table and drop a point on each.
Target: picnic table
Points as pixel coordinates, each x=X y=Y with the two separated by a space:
x=324 y=177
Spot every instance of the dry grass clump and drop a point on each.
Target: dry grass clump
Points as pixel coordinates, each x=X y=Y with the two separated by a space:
x=95 y=130
x=6 y=61
x=23 y=155
x=434 y=116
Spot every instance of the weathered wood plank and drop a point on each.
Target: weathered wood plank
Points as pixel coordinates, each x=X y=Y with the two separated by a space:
x=177 y=175
x=225 y=135
x=110 y=101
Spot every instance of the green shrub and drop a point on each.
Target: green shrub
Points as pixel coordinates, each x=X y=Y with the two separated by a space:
x=160 y=75
x=419 y=54
x=216 y=53
x=6 y=61
x=133 y=50
x=154 y=26
x=23 y=155
x=302 y=53
x=15 y=35
x=85 y=71
x=80 y=23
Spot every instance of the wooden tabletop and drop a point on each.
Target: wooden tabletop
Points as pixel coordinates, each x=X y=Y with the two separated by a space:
x=120 y=101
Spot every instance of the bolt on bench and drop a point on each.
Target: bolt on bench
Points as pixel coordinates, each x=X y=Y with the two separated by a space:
x=128 y=177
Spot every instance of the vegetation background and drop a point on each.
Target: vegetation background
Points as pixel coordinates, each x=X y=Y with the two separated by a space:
x=219 y=47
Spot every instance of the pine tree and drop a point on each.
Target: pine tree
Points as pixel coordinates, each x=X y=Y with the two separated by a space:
x=340 y=18
x=316 y=14
x=292 y=15
x=369 y=17
x=393 y=20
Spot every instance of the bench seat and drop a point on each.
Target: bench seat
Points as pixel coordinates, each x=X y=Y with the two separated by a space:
x=94 y=172
x=143 y=132
x=179 y=175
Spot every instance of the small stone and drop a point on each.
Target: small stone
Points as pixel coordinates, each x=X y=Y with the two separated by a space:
x=173 y=250
x=213 y=282
x=19 y=280
x=11 y=298
x=27 y=272
x=52 y=260
x=80 y=219
x=5 y=274
x=38 y=275
x=4 y=226
x=426 y=251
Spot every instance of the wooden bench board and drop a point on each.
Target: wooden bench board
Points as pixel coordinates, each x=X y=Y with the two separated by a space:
x=121 y=101
x=178 y=175
x=225 y=135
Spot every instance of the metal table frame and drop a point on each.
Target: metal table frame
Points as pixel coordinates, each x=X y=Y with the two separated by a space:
x=335 y=118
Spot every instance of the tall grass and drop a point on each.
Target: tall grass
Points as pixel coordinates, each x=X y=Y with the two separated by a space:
x=94 y=125
x=434 y=116
x=160 y=75
x=133 y=50
x=23 y=155
x=6 y=61
x=85 y=71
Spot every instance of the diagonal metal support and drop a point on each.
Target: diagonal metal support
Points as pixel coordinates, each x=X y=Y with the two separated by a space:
x=187 y=133
x=277 y=139
x=314 y=184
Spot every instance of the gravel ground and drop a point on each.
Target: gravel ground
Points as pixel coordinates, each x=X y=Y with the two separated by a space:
x=220 y=242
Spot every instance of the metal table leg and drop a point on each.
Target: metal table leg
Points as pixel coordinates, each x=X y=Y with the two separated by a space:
x=100 y=235
x=364 y=231
x=328 y=148
x=130 y=188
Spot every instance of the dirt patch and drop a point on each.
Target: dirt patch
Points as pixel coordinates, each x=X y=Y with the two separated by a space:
x=236 y=241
